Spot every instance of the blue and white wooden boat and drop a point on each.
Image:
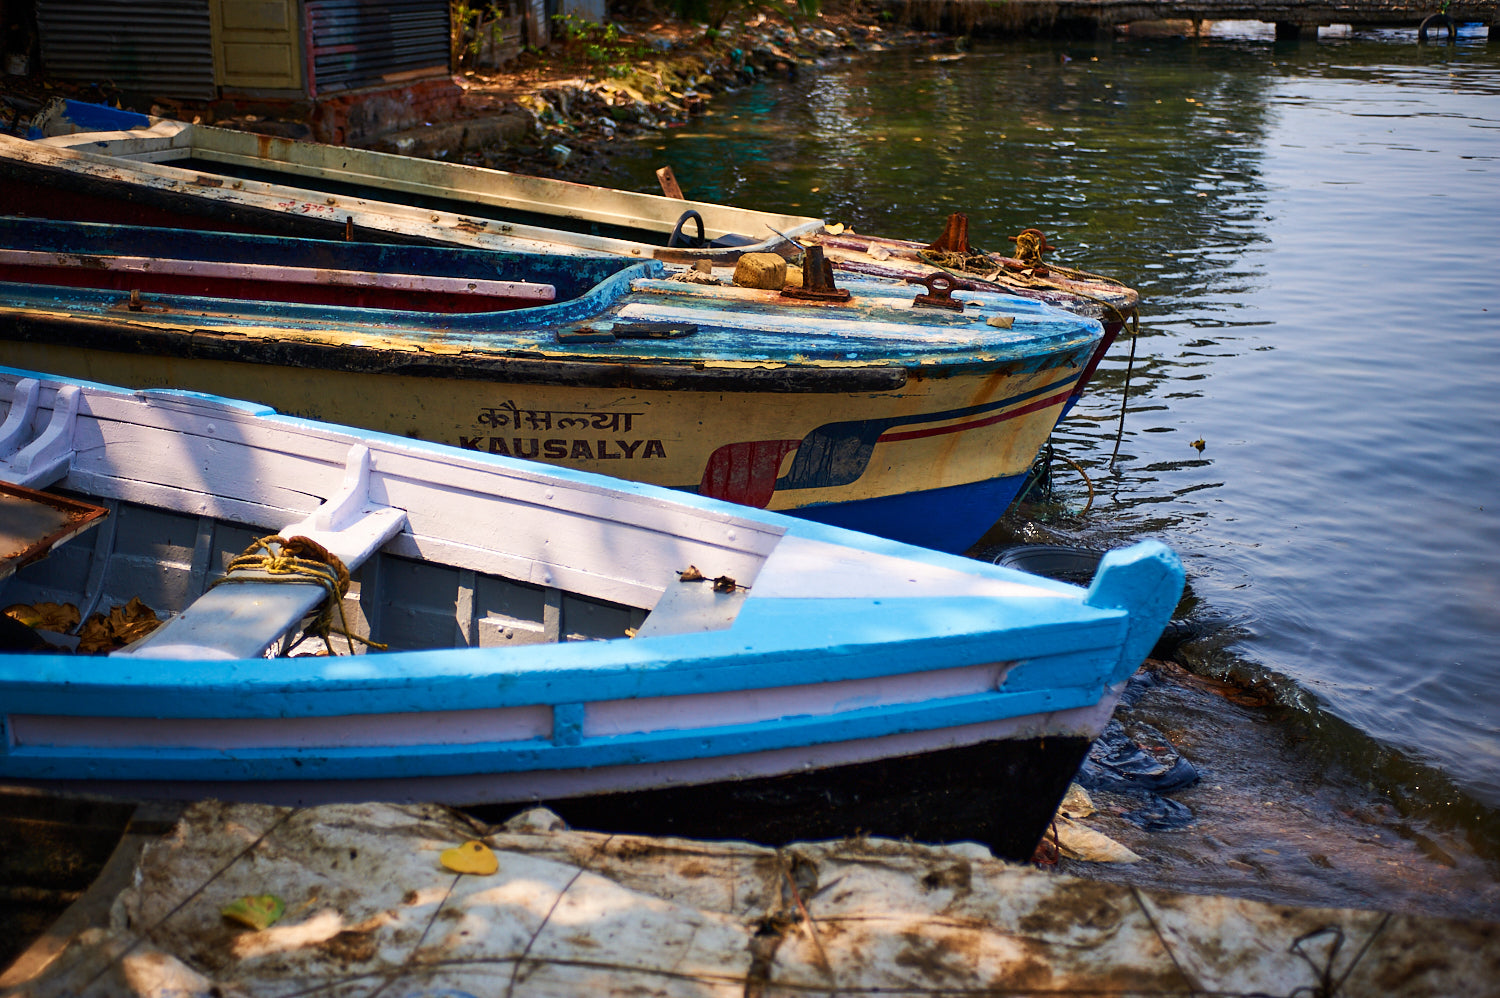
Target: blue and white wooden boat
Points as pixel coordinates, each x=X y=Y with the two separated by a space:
x=542 y=643
x=870 y=411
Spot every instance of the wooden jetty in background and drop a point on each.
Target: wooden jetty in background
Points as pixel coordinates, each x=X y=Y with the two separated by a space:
x=1292 y=18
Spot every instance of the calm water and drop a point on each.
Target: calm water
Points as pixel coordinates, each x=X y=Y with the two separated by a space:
x=1314 y=232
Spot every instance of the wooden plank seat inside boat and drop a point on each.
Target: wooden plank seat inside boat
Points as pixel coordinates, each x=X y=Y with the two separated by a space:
x=244 y=618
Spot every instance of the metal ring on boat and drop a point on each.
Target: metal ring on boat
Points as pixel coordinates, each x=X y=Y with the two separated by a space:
x=702 y=239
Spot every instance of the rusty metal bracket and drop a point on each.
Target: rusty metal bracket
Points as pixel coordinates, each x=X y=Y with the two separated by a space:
x=955 y=237
x=939 y=292
x=817 y=279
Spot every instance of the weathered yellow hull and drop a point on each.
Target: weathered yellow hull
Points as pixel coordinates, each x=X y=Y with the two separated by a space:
x=932 y=435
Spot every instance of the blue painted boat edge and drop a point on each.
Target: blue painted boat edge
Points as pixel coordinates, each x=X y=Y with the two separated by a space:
x=1145 y=580
x=532 y=755
x=948 y=519
x=472 y=328
x=785 y=644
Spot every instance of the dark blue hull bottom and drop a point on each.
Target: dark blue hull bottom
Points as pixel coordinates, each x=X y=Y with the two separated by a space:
x=1003 y=794
x=949 y=519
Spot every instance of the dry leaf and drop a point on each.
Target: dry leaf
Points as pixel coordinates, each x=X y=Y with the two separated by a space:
x=59 y=617
x=471 y=857
x=258 y=911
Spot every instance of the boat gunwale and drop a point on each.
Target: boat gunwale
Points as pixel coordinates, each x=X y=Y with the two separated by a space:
x=178 y=188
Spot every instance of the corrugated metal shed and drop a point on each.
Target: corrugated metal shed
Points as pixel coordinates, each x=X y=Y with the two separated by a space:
x=356 y=44
x=166 y=47
x=161 y=47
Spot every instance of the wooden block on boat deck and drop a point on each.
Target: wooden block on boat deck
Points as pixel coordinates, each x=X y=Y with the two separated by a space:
x=691 y=608
x=760 y=270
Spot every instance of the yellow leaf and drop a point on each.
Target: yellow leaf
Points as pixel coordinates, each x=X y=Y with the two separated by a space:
x=60 y=617
x=257 y=911
x=471 y=857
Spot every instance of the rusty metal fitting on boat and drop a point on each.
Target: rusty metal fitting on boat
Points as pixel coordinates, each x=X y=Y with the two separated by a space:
x=817 y=279
x=955 y=237
x=939 y=292
x=135 y=300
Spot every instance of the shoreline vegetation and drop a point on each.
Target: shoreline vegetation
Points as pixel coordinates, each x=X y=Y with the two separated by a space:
x=648 y=70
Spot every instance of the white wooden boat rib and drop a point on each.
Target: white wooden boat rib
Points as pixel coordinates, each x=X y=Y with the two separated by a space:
x=920 y=689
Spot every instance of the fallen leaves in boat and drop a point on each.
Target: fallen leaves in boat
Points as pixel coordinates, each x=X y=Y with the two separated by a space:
x=124 y=625
x=259 y=911
x=472 y=857
x=59 y=617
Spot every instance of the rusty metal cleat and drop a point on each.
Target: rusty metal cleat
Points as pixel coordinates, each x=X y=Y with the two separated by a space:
x=939 y=292
x=817 y=280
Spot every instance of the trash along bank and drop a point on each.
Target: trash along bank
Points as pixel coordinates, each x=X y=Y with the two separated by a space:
x=418 y=900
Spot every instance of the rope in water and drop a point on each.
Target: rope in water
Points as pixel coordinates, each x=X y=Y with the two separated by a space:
x=1086 y=481
x=301 y=561
x=1125 y=394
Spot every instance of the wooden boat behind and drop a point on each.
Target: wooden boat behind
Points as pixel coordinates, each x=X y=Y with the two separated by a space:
x=146 y=170
x=93 y=163
x=631 y=655
x=867 y=410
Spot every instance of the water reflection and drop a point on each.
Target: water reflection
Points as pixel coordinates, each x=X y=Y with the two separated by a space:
x=1310 y=229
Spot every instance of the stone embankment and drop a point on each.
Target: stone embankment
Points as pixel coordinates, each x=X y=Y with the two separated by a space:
x=547 y=120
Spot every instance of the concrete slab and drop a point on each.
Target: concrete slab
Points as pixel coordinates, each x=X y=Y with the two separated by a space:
x=368 y=903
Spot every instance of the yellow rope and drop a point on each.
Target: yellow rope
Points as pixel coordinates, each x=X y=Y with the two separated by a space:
x=1029 y=246
x=302 y=561
x=1079 y=468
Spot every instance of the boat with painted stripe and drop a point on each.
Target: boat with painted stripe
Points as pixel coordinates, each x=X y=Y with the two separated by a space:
x=873 y=412
x=544 y=638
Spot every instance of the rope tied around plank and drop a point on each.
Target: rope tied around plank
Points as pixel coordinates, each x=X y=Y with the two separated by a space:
x=301 y=561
